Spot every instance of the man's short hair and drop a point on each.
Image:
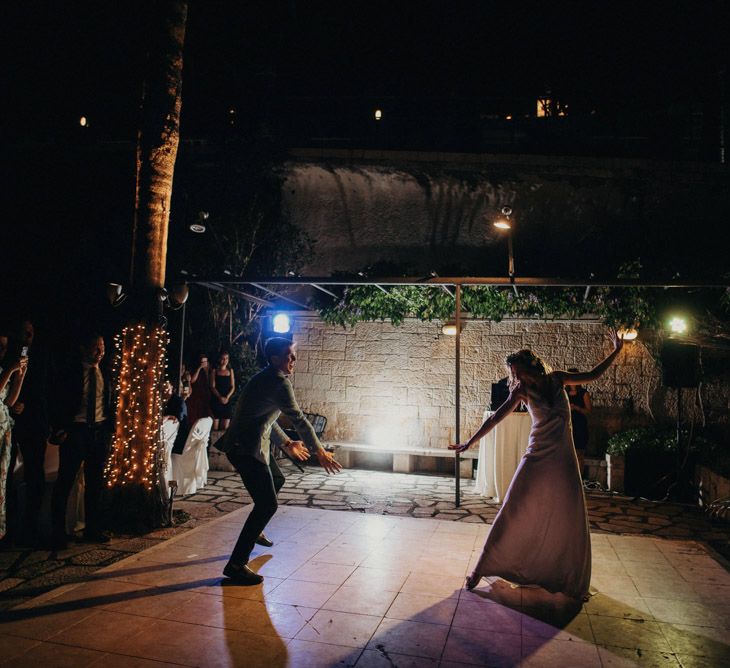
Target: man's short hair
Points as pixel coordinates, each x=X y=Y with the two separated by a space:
x=277 y=345
x=89 y=338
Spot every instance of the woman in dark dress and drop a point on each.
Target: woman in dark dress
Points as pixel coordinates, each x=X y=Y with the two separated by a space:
x=580 y=406
x=198 y=401
x=222 y=387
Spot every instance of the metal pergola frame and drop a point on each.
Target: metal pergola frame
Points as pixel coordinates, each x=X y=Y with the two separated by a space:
x=235 y=286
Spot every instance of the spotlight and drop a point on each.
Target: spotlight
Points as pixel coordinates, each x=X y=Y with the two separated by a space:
x=178 y=295
x=115 y=294
x=678 y=325
x=628 y=334
x=281 y=323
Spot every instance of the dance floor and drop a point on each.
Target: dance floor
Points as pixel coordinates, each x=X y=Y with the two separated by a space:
x=344 y=588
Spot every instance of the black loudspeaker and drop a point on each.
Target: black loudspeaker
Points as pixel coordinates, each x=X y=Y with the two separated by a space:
x=681 y=365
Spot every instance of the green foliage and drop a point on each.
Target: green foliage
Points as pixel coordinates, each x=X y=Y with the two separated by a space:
x=617 y=307
x=651 y=439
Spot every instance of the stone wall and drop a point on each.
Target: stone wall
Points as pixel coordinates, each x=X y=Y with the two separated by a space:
x=377 y=383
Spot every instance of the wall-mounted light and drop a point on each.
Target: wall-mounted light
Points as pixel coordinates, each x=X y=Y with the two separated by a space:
x=628 y=334
x=280 y=323
x=678 y=325
x=449 y=328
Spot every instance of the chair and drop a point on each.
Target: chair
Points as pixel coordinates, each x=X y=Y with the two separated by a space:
x=190 y=468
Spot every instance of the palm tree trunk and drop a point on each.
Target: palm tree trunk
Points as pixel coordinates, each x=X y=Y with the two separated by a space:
x=138 y=494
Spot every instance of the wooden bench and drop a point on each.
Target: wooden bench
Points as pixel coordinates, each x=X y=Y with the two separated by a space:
x=404 y=459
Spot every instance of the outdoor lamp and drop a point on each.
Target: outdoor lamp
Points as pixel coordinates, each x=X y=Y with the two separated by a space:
x=678 y=325
x=449 y=328
x=199 y=225
x=281 y=323
x=628 y=334
x=378 y=115
x=178 y=295
x=504 y=223
x=115 y=294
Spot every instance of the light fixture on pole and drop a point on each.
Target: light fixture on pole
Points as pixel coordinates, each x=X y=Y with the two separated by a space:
x=199 y=225
x=504 y=223
x=628 y=334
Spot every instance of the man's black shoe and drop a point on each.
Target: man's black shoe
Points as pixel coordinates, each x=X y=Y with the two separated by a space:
x=96 y=537
x=242 y=575
x=263 y=540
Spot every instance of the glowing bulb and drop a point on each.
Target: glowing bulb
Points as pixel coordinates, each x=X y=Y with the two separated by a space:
x=627 y=334
x=378 y=115
x=502 y=224
x=449 y=328
x=281 y=323
x=84 y=122
x=678 y=325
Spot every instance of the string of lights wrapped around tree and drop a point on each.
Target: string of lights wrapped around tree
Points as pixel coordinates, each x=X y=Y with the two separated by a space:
x=139 y=365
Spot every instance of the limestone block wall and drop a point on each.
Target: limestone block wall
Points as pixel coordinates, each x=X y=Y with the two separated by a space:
x=377 y=383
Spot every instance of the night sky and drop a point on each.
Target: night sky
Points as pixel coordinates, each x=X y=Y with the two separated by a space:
x=303 y=69
x=68 y=59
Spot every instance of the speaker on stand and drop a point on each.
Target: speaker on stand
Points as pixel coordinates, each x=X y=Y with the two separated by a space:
x=681 y=368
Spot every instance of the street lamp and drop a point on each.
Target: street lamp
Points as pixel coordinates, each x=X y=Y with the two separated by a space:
x=504 y=223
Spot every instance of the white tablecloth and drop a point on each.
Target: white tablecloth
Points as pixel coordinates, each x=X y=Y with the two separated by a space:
x=500 y=452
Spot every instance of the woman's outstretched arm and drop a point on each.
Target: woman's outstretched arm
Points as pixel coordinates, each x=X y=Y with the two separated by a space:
x=589 y=376
x=515 y=396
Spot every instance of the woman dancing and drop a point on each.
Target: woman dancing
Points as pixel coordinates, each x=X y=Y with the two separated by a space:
x=540 y=536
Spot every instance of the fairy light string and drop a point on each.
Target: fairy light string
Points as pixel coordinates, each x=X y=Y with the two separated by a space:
x=138 y=366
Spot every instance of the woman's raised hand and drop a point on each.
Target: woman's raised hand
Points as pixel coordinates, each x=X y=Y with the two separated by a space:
x=616 y=339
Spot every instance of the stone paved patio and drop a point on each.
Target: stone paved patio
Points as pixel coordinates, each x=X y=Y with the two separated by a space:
x=26 y=573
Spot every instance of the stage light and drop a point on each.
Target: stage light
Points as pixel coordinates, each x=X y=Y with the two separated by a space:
x=281 y=323
x=628 y=334
x=678 y=325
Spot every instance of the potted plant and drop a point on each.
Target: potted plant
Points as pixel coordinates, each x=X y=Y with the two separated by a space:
x=648 y=462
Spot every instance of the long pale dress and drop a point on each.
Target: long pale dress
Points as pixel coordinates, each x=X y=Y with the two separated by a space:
x=540 y=536
x=6 y=425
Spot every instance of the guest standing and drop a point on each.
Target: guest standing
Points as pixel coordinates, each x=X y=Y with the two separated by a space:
x=32 y=425
x=198 y=401
x=176 y=408
x=11 y=382
x=222 y=387
x=83 y=425
x=580 y=407
x=540 y=536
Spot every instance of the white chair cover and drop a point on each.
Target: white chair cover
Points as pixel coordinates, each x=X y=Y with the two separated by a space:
x=190 y=468
x=168 y=432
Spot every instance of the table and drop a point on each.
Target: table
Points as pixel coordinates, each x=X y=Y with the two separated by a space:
x=500 y=452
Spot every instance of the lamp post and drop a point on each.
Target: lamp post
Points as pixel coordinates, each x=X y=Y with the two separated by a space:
x=504 y=223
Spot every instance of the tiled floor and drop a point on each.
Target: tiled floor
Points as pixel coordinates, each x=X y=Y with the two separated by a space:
x=344 y=588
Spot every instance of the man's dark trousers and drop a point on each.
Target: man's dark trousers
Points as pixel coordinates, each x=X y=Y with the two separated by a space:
x=263 y=483
x=90 y=445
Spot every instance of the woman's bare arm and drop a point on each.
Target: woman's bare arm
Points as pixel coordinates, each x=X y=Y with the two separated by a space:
x=517 y=395
x=597 y=371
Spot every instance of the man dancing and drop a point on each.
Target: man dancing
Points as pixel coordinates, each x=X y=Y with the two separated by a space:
x=248 y=446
